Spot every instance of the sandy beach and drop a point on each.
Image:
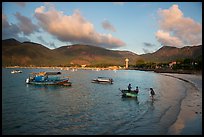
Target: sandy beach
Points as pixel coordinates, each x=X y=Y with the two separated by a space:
x=189 y=120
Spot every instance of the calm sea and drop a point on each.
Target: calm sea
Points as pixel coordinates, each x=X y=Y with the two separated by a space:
x=90 y=108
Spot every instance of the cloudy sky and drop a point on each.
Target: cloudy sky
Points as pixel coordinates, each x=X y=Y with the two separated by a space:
x=140 y=27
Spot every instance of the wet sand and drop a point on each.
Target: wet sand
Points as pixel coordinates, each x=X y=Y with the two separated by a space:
x=189 y=120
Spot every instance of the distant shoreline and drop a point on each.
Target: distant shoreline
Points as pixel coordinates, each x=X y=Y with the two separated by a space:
x=67 y=68
x=180 y=71
x=198 y=72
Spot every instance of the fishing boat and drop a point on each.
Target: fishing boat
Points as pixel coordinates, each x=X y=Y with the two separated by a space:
x=129 y=94
x=103 y=80
x=16 y=71
x=47 y=78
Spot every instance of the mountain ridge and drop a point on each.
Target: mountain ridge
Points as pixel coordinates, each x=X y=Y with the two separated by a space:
x=29 y=53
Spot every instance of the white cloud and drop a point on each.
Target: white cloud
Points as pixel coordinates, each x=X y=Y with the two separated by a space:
x=40 y=9
x=167 y=40
x=174 y=26
x=73 y=28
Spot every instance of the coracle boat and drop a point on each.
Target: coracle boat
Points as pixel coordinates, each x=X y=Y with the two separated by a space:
x=129 y=94
x=16 y=71
x=103 y=80
x=47 y=78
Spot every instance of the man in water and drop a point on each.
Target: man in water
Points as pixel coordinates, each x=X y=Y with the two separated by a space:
x=152 y=93
x=129 y=87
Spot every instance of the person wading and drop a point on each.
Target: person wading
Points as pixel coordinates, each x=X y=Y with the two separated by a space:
x=152 y=93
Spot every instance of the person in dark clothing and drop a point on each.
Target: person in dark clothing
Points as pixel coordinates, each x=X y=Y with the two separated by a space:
x=152 y=93
x=129 y=87
x=136 y=90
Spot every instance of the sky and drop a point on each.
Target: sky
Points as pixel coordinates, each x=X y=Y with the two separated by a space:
x=139 y=27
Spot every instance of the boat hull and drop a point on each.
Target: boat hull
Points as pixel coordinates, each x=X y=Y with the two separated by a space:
x=129 y=94
x=102 y=81
x=62 y=82
x=16 y=71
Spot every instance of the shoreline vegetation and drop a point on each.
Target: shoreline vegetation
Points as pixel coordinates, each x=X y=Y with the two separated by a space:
x=114 y=68
x=179 y=71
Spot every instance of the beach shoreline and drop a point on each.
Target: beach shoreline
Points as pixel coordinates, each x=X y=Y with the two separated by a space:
x=189 y=120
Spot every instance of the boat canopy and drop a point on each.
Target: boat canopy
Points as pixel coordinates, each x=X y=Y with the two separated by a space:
x=53 y=73
x=104 y=77
x=46 y=73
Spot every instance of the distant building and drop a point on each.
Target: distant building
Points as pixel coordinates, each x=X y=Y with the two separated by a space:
x=157 y=67
x=172 y=63
x=126 y=63
x=83 y=66
x=113 y=67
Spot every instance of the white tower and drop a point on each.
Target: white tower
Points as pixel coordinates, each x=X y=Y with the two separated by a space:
x=126 y=63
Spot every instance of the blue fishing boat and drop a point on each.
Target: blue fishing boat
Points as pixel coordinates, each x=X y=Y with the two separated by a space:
x=47 y=78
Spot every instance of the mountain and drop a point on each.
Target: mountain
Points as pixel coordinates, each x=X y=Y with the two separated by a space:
x=10 y=42
x=29 y=53
x=168 y=53
x=26 y=53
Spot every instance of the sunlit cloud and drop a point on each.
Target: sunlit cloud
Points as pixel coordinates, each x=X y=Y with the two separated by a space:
x=166 y=39
x=108 y=26
x=73 y=28
x=177 y=30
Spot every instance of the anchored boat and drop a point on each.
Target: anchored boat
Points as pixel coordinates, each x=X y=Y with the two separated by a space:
x=16 y=71
x=47 y=78
x=103 y=80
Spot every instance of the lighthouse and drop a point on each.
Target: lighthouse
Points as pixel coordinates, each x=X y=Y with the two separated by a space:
x=126 y=63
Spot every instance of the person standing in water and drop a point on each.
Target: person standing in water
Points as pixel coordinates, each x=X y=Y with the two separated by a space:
x=152 y=93
x=129 y=87
x=137 y=90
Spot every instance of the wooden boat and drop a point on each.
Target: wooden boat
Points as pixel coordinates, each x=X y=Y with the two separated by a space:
x=103 y=80
x=129 y=94
x=16 y=71
x=47 y=78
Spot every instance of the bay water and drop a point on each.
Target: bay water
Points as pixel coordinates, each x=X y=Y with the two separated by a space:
x=88 y=108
